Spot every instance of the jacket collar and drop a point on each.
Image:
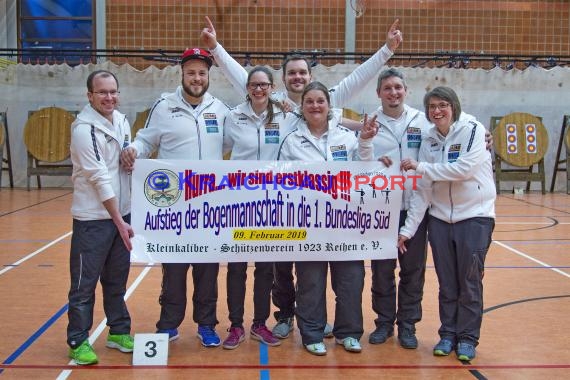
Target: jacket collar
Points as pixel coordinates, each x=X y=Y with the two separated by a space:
x=409 y=112
x=245 y=109
x=90 y=116
x=455 y=128
x=177 y=100
x=303 y=128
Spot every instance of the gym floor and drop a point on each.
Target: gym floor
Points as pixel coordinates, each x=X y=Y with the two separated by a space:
x=524 y=334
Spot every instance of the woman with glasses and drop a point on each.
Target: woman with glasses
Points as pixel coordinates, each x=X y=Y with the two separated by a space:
x=457 y=180
x=253 y=131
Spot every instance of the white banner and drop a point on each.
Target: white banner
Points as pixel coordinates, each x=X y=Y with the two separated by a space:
x=237 y=211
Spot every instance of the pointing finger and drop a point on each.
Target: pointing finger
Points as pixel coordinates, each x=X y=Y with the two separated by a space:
x=209 y=22
x=395 y=25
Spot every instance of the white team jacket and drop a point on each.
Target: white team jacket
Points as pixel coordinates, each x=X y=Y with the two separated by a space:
x=457 y=176
x=340 y=94
x=179 y=131
x=341 y=145
x=387 y=143
x=96 y=146
x=250 y=137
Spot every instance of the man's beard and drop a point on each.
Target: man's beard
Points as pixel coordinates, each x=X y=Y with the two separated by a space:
x=193 y=94
x=296 y=89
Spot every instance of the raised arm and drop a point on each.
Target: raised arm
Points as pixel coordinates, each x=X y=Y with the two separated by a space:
x=350 y=86
x=231 y=69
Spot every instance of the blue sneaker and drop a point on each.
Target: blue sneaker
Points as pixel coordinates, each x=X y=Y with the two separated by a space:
x=172 y=333
x=208 y=336
x=465 y=351
x=443 y=348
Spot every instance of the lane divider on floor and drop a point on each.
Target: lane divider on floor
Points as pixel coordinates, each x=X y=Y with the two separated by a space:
x=516 y=251
x=24 y=259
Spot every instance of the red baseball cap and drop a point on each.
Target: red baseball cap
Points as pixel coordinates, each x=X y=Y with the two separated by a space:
x=196 y=53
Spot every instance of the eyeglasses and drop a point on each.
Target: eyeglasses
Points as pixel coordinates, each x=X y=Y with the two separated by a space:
x=442 y=106
x=263 y=86
x=104 y=94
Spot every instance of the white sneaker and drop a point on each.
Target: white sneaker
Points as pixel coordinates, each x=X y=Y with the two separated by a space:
x=318 y=349
x=350 y=344
x=328 y=331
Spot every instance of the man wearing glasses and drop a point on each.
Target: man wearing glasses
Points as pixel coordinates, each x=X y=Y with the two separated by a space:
x=100 y=208
x=186 y=124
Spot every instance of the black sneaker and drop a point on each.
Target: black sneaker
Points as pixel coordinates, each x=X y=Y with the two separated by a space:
x=407 y=338
x=381 y=334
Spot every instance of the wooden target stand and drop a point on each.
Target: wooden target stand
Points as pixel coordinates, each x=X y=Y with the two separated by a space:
x=139 y=124
x=6 y=163
x=564 y=140
x=567 y=140
x=520 y=140
x=47 y=136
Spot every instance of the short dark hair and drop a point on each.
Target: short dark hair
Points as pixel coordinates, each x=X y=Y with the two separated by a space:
x=447 y=94
x=295 y=57
x=389 y=73
x=104 y=74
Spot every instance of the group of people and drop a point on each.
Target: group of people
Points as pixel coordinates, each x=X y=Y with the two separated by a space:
x=456 y=195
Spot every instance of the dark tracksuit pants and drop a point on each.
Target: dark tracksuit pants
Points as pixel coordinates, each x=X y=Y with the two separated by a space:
x=347 y=280
x=411 y=284
x=97 y=254
x=459 y=251
x=173 y=295
x=236 y=285
x=283 y=291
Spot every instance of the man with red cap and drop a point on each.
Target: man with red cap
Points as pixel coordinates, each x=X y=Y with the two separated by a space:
x=186 y=124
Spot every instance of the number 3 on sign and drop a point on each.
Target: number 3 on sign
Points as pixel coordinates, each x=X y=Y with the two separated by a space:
x=150 y=349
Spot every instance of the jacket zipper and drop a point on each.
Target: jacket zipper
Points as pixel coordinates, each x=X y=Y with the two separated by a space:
x=450 y=184
x=199 y=139
x=258 y=143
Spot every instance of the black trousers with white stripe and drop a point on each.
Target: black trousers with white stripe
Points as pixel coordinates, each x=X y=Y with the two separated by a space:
x=97 y=254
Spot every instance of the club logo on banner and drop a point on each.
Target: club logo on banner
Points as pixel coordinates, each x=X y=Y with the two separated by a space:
x=161 y=188
x=235 y=211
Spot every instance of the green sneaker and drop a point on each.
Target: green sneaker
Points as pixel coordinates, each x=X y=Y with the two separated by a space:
x=122 y=342
x=83 y=354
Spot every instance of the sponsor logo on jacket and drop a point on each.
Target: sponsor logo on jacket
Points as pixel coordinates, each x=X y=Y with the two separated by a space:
x=272 y=133
x=339 y=152
x=453 y=153
x=414 y=137
x=211 y=122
